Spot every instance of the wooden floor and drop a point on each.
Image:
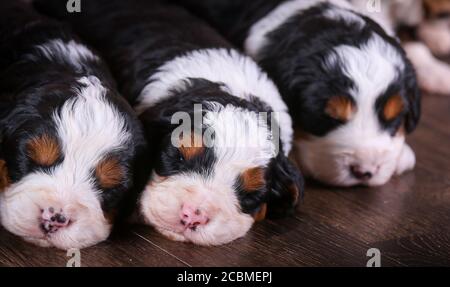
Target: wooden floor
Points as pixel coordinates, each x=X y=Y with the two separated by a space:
x=408 y=220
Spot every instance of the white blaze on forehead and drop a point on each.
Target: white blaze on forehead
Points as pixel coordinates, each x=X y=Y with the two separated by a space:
x=256 y=39
x=69 y=52
x=242 y=139
x=239 y=74
x=372 y=68
x=89 y=127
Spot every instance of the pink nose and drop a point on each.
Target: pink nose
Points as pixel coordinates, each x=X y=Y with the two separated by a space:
x=191 y=217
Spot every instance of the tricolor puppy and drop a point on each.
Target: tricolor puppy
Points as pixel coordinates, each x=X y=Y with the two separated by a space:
x=349 y=87
x=68 y=139
x=218 y=164
x=424 y=27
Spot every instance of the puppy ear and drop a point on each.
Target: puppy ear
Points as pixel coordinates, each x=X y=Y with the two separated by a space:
x=4 y=177
x=413 y=97
x=285 y=187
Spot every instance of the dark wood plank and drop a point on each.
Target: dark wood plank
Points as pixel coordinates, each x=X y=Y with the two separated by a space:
x=125 y=250
x=431 y=249
x=432 y=138
x=417 y=202
x=298 y=241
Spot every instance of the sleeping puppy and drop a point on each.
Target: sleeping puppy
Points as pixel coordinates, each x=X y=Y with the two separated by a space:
x=349 y=87
x=68 y=139
x=424 y=27
x=217 y=165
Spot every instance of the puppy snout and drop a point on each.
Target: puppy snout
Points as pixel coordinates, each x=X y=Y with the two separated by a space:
x=192 y=216
x=361 y=173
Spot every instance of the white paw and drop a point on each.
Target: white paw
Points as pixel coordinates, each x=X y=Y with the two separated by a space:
x=436 y=35
x=433 y=75
x=406 y=160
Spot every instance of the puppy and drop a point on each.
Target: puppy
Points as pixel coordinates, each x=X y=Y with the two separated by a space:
x=349 y=87
x=224 y=167
x=69 y=142
x=426 y=25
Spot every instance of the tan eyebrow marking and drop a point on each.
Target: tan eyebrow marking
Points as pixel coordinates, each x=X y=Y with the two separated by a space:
x=253 y=179
x=191 y=147
x=340 y=108
x=109 y=173
x=4 y=177
x=44 y=150
x=261 y=214
x=393 y=107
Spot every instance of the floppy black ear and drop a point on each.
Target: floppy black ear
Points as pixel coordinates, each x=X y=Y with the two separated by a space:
x=285 y=187
x=413 y=97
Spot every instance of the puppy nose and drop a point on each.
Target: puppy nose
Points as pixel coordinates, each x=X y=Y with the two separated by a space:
x=53 y=219
x=360 y=173
x=191 y=216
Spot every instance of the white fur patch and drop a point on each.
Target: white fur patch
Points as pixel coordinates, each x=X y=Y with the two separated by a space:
x=88 y=128
x=256 y=39
x=70 y=52
x=241 y=76
x=241 y=139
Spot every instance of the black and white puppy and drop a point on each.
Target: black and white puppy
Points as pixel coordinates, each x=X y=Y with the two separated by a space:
x=228 y=166
x=349 y=87
x=68 y=140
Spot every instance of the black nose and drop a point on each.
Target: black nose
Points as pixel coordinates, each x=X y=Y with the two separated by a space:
x=359 y=173
x=59 y=218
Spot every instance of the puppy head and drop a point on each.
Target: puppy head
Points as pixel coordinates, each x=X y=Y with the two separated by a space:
x=354 y=118
x=212 y=181
x=351 y=91
x=68 y=164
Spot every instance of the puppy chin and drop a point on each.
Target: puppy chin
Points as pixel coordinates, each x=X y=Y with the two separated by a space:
x=161 y=204
x=81 y=235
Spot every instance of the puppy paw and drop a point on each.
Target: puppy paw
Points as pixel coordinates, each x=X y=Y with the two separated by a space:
x=436 y=35
x=406 y=161
x=433 y=75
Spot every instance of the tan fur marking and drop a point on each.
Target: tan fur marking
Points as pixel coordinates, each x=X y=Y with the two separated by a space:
x=192 y=147
x=253 y=179
x=295 y=193
x=261 y=214
x=43 y=150
x=340 y=108
x=4 y=177
x=109 y=173
x=393 y=107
